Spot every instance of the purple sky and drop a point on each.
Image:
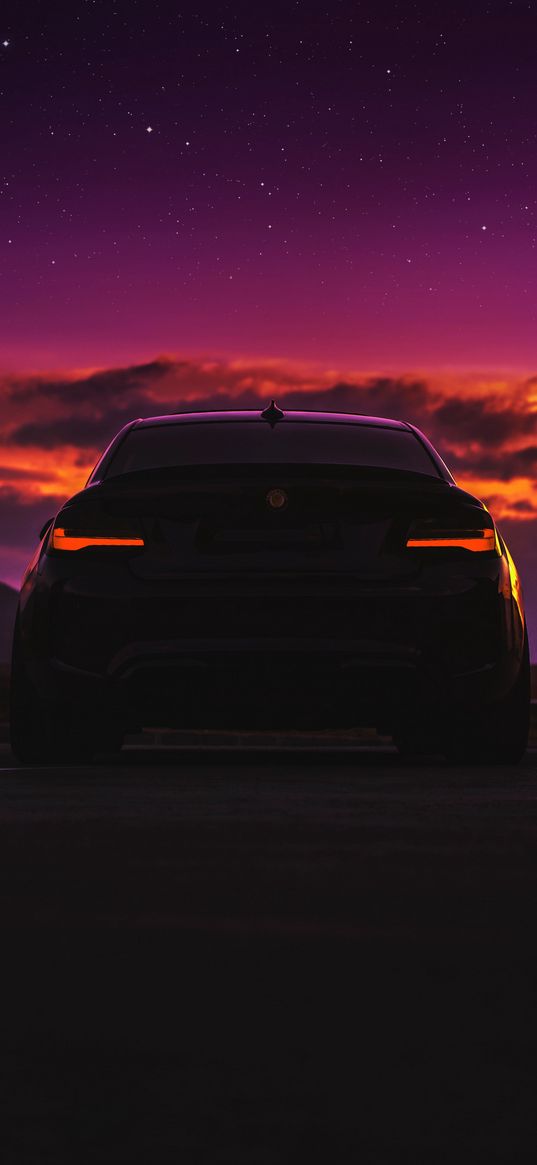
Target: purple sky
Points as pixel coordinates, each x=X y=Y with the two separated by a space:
x=352 y=183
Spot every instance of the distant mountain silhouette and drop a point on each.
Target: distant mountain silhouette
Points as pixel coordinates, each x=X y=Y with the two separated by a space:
x=8 y=605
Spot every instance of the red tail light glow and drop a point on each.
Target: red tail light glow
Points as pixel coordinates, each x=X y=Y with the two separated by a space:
x=63 y=539
x=424 y=535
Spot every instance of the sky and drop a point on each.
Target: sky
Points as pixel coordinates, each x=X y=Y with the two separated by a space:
x=334 y=202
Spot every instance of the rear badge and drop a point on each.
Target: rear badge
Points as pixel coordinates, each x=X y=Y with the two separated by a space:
x=277 y=499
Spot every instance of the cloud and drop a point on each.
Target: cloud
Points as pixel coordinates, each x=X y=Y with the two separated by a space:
x=16 y=472
x=461 y=420
x=85 y=433
x=503 y=464
x=52 y=428
x=523 y=506
x=96 y=388
x=86 y=410
x=21 y=520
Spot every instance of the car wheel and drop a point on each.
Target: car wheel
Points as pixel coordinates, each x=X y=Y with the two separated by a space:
x=49 y=732
x=497 y=733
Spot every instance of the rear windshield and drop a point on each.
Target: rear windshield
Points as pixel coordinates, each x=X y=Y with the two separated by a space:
x=289 y=442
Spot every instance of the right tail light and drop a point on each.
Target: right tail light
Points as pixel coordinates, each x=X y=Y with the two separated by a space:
x=476 y=533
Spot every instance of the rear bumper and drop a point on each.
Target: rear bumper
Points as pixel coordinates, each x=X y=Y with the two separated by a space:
x=271 y=653
x=272 y=684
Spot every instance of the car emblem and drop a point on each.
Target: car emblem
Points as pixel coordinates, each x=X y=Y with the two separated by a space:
x=277 y=499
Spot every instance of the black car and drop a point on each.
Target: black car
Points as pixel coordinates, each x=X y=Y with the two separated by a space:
x=271 y=570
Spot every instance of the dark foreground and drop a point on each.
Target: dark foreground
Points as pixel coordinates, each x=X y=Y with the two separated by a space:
x=268 y=960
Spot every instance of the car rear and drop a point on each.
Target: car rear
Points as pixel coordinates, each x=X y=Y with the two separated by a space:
x=228 y=571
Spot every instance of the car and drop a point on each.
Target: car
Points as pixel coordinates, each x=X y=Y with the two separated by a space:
x=271 y=569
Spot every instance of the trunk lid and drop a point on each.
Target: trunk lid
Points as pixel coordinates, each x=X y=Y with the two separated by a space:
x=260 y=520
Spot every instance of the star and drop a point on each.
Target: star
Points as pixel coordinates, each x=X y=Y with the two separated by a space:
x=5 y=43
x=149 y=129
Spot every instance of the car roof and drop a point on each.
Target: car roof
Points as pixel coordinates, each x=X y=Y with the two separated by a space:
x=253 y=415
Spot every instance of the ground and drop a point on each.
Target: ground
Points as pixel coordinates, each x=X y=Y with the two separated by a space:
x=268 y=958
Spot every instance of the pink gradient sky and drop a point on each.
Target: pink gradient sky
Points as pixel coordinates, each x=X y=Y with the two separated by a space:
x=349 y=186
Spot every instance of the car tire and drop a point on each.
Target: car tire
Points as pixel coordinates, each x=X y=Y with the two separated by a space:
x=498 y=733
x=50 y=732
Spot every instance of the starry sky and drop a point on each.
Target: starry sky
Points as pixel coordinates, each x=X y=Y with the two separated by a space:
x=346 y=182
x=218 y=201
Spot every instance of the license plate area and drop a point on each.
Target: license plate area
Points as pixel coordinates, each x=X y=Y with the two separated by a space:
x=314 y=535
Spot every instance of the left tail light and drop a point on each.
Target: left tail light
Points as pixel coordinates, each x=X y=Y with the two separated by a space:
x=68 y=535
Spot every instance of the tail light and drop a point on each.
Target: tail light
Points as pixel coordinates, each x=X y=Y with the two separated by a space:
x=101 y=533
x=461 y=533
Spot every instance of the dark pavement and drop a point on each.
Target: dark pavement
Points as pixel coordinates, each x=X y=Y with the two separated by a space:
x=268 y=958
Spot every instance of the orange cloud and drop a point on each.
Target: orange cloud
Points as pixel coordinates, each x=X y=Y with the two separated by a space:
x=34 y=472
x=515 y=499
x=53 y=426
